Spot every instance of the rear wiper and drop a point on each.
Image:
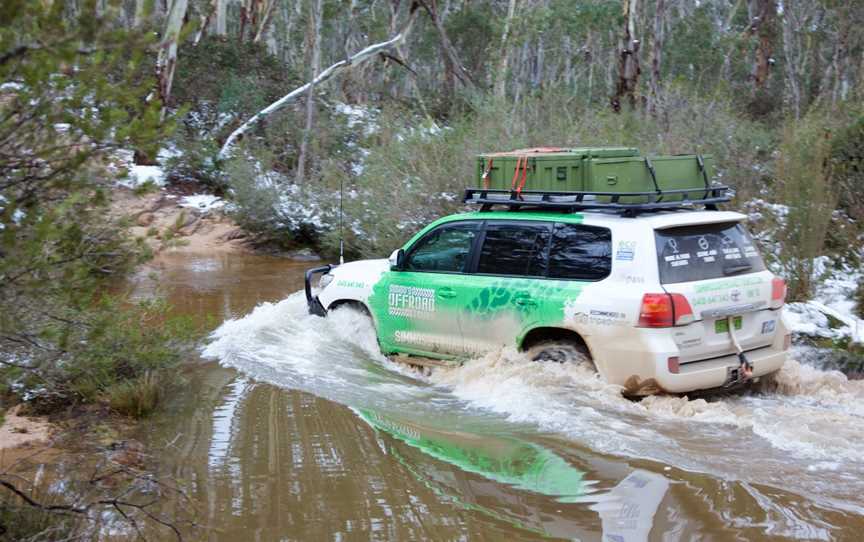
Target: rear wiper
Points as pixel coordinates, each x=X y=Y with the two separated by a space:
x=735 y=269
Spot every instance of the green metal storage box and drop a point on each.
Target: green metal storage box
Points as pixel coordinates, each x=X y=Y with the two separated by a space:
x=607 y=169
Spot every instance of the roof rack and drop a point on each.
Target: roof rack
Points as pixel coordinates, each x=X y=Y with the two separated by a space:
x=622 y=202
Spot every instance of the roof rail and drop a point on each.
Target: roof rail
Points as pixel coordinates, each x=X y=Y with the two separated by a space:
x=627 y=203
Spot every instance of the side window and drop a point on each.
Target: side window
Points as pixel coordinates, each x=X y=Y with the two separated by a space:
x=515 y=249
x=580 y=252
x=444 y=249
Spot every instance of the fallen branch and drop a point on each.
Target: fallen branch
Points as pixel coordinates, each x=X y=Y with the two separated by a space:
x=358 y=58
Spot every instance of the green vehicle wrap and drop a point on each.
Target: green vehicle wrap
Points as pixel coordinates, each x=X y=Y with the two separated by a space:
x=454 y=314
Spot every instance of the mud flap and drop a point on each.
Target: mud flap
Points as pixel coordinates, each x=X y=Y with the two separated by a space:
x=735 y=376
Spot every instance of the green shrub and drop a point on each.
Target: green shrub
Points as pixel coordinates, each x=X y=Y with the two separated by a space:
x=806 y=185
x=136 y=398
x=847 y=158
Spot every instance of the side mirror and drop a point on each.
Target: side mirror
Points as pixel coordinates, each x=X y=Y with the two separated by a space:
x=397 y=260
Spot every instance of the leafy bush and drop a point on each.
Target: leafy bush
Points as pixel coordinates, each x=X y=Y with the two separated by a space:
x=847 y=160
x=136 y=398
x=806 y=187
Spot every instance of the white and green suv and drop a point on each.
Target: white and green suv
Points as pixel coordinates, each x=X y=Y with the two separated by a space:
x=670 y=301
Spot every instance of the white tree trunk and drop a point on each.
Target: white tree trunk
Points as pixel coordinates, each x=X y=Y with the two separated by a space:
x=166 y=62
x=501 y=76
x=221 y=22
x=315 y=36
x=358 y=58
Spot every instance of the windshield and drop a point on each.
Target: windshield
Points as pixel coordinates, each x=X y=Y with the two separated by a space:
x=705 y=251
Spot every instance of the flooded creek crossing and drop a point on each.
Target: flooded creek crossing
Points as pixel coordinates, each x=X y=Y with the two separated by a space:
x=293 y=427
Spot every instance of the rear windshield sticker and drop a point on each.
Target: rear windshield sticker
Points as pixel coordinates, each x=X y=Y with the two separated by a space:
x=676 y=260
x=732 y=253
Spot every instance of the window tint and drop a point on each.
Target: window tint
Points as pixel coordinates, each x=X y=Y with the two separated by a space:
x=706 y=251
x=580 y=252
x=515 y=249
x=443 y=249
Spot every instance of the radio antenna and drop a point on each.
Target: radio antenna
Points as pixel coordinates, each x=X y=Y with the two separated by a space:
x=341 y=237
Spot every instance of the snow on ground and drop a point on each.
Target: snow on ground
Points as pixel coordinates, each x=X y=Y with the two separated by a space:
x=139 y=175
x=834 y=296
x=203 y=202
x=359 y=116
x=136 y=175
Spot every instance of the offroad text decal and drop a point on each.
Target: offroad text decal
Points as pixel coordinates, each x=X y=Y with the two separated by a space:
x=411 y=302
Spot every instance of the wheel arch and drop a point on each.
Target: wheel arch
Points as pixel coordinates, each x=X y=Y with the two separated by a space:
x=352 y=303
x=542 y=334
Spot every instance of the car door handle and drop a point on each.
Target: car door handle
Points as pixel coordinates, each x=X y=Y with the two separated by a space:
x=525 y=301
x=446 y=293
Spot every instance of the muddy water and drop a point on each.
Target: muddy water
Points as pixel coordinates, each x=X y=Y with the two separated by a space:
x=292 y=427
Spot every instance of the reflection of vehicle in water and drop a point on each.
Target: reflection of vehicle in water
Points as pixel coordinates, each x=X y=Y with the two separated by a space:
x=527 y=475
x=503 y=459
x=628 y=514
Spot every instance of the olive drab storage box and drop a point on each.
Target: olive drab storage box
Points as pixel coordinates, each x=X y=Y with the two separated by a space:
x=602 y=169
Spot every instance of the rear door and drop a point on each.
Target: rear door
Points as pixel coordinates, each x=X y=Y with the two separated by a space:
x=717 y=267
x=507 y=290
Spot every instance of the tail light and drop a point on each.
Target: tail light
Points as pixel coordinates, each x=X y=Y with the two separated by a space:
x=664 y=310
x=787 y=341
x=674 y=365
x=778 y=292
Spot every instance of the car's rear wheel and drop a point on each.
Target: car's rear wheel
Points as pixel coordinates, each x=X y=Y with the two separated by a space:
x=560 y=351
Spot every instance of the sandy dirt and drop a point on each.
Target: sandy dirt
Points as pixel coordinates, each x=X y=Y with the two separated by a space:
x=23 y=431
x=166 y=226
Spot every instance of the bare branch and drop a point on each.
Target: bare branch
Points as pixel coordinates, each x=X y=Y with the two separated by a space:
x=358 y=58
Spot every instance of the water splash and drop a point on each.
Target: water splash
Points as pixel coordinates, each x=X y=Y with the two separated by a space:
x=801 y=433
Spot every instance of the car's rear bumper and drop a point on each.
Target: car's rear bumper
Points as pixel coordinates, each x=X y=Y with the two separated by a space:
x=639 y=361
x=718 y=372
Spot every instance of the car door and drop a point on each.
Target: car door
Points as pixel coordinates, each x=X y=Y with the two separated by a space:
x=505 y=291
x=417 y=308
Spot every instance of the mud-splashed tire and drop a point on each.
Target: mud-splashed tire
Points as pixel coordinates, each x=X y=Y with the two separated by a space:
x=560 y=352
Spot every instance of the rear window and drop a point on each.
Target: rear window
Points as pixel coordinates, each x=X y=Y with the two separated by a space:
x=515 y=249
x=580 y=252
x=705 y=251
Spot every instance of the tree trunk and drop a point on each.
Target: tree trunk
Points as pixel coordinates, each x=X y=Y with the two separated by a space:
x=763 y=25
x=140 y=13
x=315 y=62
x=266 y=13
x=450 y=55
x=501 y=75
x=357 y=59
x=628 y=60
x=221 y=23
x=205 y=21
x=656 y=56
x=166 y=62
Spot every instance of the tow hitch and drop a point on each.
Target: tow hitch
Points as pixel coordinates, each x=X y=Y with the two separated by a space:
x=744 y=371
x=314 y=305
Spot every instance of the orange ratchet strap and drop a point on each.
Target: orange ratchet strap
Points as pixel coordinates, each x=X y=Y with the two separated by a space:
x=487 y=173
x=524 y=176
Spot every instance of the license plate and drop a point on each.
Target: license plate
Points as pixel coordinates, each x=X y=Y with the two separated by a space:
x=722 y=326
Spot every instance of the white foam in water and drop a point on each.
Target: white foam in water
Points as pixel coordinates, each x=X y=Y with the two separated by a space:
x=793 y=435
